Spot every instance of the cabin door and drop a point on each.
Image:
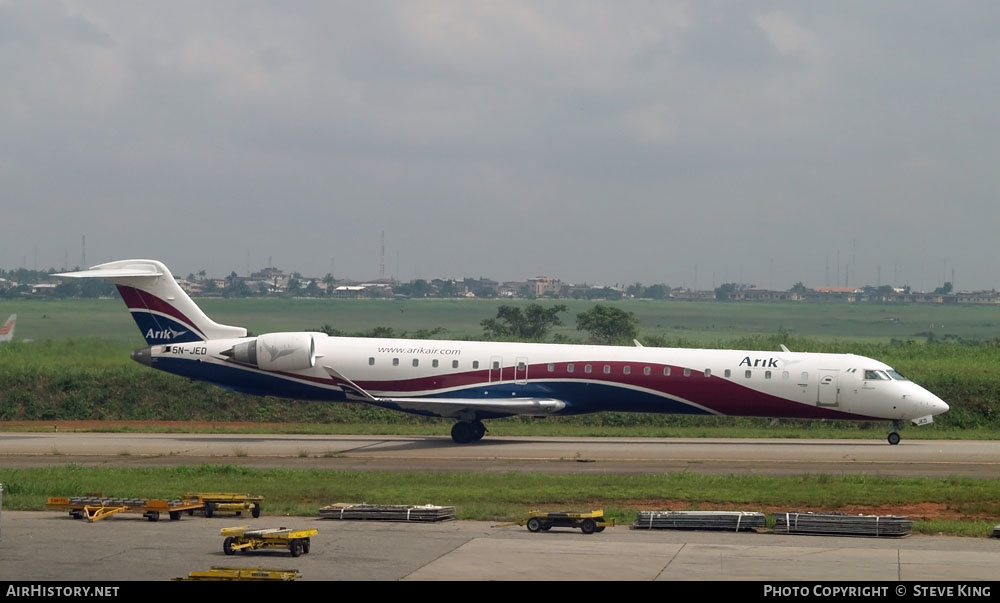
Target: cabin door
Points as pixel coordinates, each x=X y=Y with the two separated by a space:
x=829 y=388
x=496 y=369
x=521 y=371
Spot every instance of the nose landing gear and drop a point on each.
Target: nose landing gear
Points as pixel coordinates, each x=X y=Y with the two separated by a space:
x=894 y=435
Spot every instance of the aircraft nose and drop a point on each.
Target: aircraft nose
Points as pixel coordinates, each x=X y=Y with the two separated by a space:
x=938 y=405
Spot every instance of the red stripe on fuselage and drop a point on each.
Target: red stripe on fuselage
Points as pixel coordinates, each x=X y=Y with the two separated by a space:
x=715 y=393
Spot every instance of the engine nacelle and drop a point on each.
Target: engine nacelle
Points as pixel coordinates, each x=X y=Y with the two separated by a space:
x=277 y=352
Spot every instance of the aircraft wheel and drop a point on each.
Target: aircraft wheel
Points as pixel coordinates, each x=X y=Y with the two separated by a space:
x=588 y=526
x=894 y=438
x=463 y=432
x=534 y=525
x=479 y=429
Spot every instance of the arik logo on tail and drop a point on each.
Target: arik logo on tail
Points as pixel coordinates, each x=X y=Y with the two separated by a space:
x=168 y=334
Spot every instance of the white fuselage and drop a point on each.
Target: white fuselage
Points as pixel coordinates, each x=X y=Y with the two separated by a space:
x=587 y=378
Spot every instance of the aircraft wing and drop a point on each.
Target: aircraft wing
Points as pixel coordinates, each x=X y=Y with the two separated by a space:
x=455 y=408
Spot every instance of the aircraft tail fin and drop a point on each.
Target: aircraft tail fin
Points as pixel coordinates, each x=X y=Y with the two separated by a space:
x=7 y=330
x=161 y=309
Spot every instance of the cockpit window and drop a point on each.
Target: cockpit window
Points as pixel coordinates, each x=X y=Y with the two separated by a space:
x=896 y=376
x=876 y=376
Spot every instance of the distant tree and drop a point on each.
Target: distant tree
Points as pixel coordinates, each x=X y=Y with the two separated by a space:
x=330 y=283
x=530 y=325
x=312 y=289
x=885 y=291
x=292 y=286
x=725 y=292
x=448 y=289
x=68 y=288
x=210 y=286
x=608 y=325
x=658 y=291
x=636 y=290
x=263 y=289
x=420 y=288
x=945 y=290
x=799 y=288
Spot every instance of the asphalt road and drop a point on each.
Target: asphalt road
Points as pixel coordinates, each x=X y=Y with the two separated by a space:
x=931 y=458
x=44 y=546
x=48 y=546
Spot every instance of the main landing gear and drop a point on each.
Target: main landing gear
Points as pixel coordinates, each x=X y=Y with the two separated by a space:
x=468 y=431
x=894 y=435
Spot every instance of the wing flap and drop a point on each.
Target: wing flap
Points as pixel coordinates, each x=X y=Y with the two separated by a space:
x=454 y=408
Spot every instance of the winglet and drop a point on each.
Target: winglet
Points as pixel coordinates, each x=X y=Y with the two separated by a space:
x=784 y=349
x=637 y=344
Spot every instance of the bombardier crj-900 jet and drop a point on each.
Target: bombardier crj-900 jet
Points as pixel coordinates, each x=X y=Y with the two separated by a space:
x=474 y=381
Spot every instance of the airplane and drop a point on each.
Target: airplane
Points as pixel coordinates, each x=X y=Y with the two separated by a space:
x=7 y=330
x=473 y=381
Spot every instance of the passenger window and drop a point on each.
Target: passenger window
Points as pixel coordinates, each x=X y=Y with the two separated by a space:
x=475 y=364
x=784 y=375
x=666 y=371
x=586 y=368
x=646 y=370
x=520 y=366
x=434 y=363
x=569 y=367
x=371 y=362
x=729 y=373
x=747 y=374
x=627 y=370
x=395 y=362
x=496 y=364
x=454 y=364
x=708 y=372
x=687 y=372
x=607 y=369
x=767 y=374
x=416 y=362
x=552 y=367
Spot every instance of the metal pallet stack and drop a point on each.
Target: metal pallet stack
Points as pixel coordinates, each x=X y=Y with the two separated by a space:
x=257 y=574
x=387 y=512
x=839 y=524
x=733 y=521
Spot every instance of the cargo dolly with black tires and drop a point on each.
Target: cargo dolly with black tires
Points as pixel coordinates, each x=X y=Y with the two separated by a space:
x=588 y=523
x=214 y=503
x=244 y=539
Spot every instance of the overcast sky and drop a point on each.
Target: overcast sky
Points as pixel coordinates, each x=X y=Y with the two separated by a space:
x=689 y=143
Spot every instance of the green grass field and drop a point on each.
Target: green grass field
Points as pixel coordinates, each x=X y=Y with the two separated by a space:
x=963 y=504
x=687 y=324
x=77 y=367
